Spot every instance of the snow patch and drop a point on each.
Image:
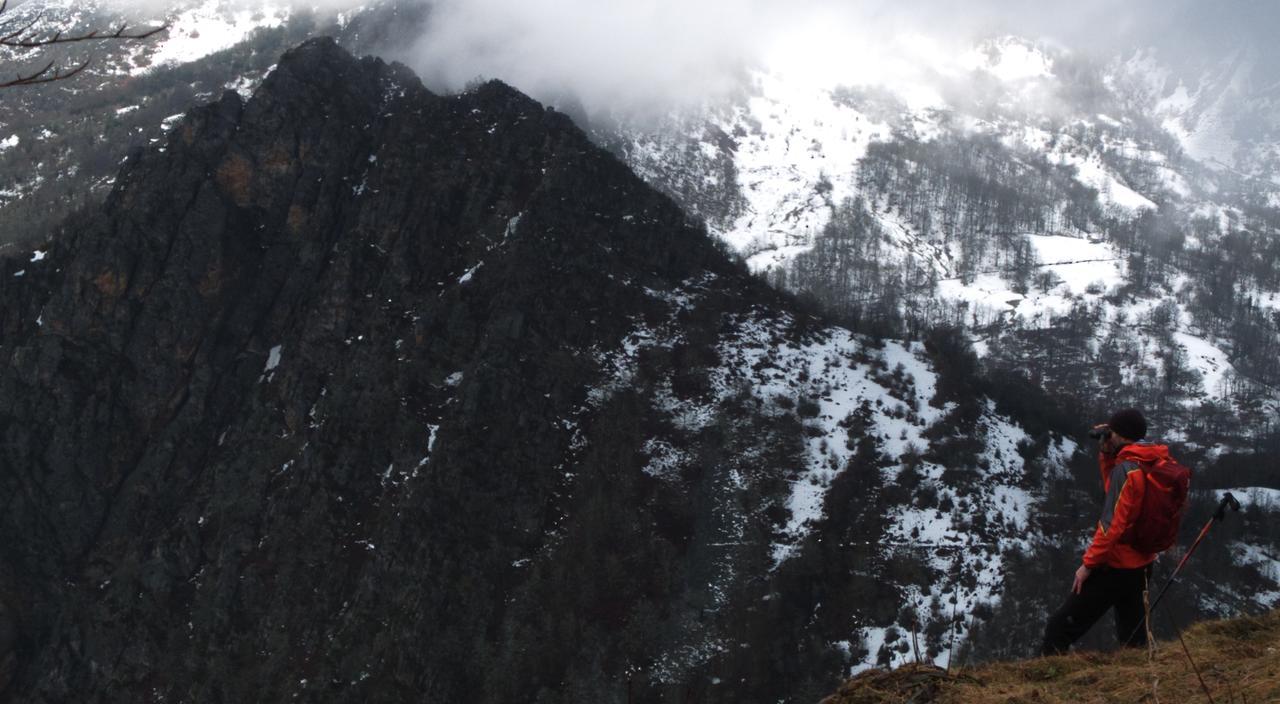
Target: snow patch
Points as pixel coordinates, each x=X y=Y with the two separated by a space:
x=243 y=85
x=1207 y=359
x=171 y=121
x=273 y=361
x=1254 y=496
x=1080 y=263
x=199 y=31
x=465 y=278
x=664 y=458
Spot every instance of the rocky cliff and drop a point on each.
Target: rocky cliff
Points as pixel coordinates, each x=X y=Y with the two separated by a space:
x=318 y=407
x=354 y=392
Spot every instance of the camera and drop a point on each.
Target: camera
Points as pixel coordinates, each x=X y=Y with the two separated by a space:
x=1100 y=433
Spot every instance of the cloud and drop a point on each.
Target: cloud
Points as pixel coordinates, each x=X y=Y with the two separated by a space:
x=636 y=54
x=652 y=55
x=627 y=53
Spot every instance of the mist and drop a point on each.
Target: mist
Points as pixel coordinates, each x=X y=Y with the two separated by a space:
x=637 y=56
x=658 y=54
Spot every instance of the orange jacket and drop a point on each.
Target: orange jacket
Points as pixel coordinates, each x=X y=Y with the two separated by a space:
x=1124 y=482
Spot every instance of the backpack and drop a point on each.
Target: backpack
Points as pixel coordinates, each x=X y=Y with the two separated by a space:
x=1163 y=503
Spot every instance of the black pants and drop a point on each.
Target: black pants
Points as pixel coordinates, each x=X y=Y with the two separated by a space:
x=1107 y=587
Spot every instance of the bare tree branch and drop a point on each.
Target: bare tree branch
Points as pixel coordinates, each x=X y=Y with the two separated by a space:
x=31 y=42
x=24 y=37
x=47 y=74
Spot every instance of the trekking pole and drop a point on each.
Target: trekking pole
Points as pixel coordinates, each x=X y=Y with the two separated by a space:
x=1221 y=513
x=1227 y=501
x=1194 y=668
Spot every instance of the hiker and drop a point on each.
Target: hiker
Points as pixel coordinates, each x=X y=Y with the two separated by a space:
x=1117 y=564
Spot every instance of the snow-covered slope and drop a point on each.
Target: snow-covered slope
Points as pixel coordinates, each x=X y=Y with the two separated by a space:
x=195 y=29
x=768 y=170
x=850 y=393
x=198 y=30
x=1223 y=114
x=795 y=146
x=792 y=154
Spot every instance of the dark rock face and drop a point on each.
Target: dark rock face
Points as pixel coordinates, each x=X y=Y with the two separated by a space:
x=299 y=414
x=8 y=638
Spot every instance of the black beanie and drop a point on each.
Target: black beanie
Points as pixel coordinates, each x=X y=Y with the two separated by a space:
x=1128 y=423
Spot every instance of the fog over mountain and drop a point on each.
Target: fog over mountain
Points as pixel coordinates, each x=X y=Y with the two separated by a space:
x=637 y=55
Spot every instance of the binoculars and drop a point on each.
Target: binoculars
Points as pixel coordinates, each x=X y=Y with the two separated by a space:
x=1100 y=433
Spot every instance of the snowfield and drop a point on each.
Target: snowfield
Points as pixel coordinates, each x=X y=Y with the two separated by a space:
x=196 y=32
x=1081 y=263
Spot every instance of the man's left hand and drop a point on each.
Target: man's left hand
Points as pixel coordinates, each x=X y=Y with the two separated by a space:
x=1081 y=575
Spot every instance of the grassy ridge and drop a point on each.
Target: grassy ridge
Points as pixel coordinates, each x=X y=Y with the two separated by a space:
x=1239 y=660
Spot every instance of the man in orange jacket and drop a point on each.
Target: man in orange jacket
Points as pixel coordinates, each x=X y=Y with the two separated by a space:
x=1113 y=573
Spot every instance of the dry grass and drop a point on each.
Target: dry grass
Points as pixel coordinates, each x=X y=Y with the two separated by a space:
x=1238 y=658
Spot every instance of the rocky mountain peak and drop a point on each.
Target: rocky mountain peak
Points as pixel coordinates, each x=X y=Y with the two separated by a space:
x=346 y=386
